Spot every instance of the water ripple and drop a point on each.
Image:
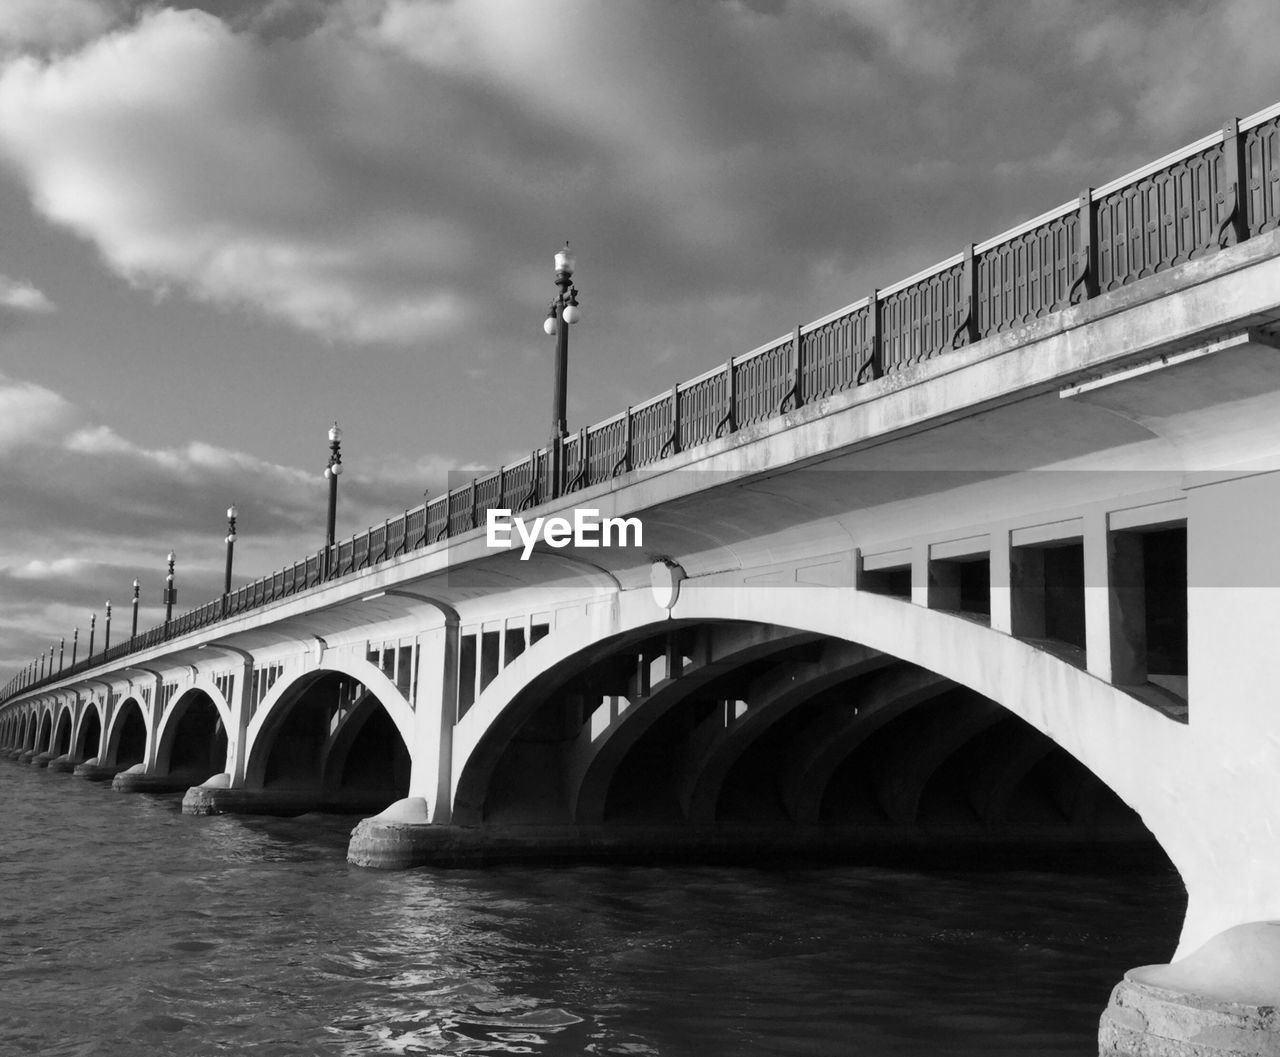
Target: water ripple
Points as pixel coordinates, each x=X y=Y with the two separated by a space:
x=130 y=929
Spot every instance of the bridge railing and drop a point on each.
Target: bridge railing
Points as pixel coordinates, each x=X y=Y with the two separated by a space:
x=1219 y=190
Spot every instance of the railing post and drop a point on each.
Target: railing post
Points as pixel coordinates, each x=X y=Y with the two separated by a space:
x=873 y=365
x=672 y=446
x=793 y=393
x=730 y=418
x=1086 y=277
x=1235 y=186
x=968 y=328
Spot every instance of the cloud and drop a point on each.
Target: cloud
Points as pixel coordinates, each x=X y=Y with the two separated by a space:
x=30 y=415
x=391 y=170
x=22 y=298
x=87 y=509
x=54 y=25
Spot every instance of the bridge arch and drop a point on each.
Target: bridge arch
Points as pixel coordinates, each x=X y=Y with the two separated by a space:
x=125 y=739
x=61 y=744
x=86 y=736
x=44 y=730
x=331 y=744
x=1109 y=732
x=192 y=735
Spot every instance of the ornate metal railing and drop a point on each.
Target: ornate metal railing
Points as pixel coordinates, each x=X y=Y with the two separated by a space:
x=1217 y=191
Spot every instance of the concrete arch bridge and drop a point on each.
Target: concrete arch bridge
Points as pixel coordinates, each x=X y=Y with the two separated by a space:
x=1003 y=577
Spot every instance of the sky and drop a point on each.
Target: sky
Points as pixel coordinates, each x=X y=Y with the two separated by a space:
x=226 y=225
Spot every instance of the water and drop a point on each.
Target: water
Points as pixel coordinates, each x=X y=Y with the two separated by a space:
x=128 y=928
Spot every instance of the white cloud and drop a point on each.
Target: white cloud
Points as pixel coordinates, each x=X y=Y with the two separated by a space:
x=30 y=414
x=19 y=298
x=55 y=569
x=54 y=25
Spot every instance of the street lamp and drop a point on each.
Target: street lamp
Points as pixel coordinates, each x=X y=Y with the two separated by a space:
x=106 y=633
x=331 y=473
x=561 y=314
x=133 y=630
x=62 y=646
x=170 y=593
x=231 y=546
x=562 y=310
x=93 y=620
x=75 y=642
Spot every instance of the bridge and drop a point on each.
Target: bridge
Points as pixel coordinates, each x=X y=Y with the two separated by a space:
x=982 y=562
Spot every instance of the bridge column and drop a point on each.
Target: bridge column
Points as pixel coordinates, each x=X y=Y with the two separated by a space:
x=1220 y=994
x=436 y=710
x=399 y=836
x=241 y=704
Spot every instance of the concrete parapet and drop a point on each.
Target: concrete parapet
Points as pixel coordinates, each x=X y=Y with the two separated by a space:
x=1222 y=1000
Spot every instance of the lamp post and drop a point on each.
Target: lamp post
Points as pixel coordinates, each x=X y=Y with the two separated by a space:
x=562 y=313
x=75 y=642
x=93 y=620
x=133 y=629
x=170 y=593
x=50 y=660
x=563 y=309
x=62 y=646
x=106 y=631
x=331 y=473
x=231 y=546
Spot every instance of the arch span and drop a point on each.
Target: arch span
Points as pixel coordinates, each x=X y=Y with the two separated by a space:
x=326 y=750
x=125 y=739
x=1129 y=746
x=192 y=737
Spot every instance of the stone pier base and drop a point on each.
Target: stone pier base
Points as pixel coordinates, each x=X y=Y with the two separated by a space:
x=43 y=759
x=26 y=757
x=95 y=771
x=401 y=837
x=64 y=764
x=136 y=780
x=215 y=797
x=1222 y=1000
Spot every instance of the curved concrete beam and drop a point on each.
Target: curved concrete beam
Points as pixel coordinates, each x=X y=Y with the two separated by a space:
x=283 y=696
x=769 y=700
x=832 y=738
x=595 y=756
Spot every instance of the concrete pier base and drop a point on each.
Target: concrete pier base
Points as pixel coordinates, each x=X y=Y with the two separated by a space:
x=136 y=780
x=215 y=797
x=1222 y=1000
x=95 y=771
x=43 y=759
x=27 y=756
x=64 y=764
x=401 y=837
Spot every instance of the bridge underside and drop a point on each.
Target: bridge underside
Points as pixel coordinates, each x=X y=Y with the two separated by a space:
x=744 y=741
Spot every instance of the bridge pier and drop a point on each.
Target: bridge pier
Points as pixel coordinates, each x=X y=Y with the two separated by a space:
x=1219 y=1000
x=95 y=771
x=136 y=779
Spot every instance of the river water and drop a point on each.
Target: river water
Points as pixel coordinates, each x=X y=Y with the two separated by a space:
x=128 y=928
